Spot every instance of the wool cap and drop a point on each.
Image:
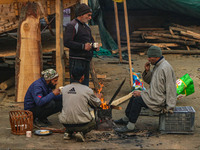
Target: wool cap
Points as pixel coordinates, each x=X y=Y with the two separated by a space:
x=154 y=51
x=82 y=9
x=49 y=74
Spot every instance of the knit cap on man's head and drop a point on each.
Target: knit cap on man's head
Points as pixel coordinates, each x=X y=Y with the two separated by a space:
x=154 y=51
x=82 y=9
x=49 y=74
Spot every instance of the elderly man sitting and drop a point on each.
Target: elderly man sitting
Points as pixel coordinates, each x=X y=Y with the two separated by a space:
x=161 y=94
x=42 y=98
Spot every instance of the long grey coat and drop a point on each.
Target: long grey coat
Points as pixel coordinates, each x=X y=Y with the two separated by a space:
x=162 y=88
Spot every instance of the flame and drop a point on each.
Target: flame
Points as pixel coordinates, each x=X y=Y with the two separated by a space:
x=103 y=103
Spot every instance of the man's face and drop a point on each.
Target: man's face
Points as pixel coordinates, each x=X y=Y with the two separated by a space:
x=52 y=84
x=153 y=60
x=86 y=17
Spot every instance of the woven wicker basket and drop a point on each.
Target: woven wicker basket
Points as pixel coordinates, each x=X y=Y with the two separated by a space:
x=21 y=121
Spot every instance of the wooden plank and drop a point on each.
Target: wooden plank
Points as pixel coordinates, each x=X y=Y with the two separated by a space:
x=151 y=29
x=118 y=31
x=94 y=77
x=122 y=99
x=28 y=63
x=155 y=44
x=60 y=66
x=8 y=83
x=163 y=39
x=185 y=52
x=174 y=36
x=128 y=43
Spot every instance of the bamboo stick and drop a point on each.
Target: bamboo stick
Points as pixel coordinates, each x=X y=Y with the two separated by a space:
x=128 y=42
x=118 y=31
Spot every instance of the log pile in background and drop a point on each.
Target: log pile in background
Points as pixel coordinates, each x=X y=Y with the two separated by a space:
x=175 y=39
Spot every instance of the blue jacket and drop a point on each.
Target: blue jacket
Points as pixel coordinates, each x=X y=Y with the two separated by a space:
x=39 y=94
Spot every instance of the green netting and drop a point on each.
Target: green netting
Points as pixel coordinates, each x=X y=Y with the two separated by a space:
x=102 y=52
x=97 y=19
x=186 y=7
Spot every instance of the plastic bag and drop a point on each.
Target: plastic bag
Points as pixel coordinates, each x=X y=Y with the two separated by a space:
x=184 y=86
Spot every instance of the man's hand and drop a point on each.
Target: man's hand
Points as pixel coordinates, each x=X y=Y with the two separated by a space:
x=98 y=48
x=56 y=92
x=137 y=93
x=147 y=66
x=164 y=110
x=88 y=46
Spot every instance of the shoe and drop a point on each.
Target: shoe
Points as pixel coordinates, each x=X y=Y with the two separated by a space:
x=39 y=123
x=79 y=137
x=123 y=130
x=121 y=122
x=67 y=136
x=46 y=121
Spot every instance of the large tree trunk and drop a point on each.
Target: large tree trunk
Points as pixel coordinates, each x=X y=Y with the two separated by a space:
x=28 y=56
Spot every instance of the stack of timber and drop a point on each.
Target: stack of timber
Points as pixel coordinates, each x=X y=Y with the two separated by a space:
x=176 y=39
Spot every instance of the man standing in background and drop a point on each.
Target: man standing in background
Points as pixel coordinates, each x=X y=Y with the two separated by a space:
x=79 y=40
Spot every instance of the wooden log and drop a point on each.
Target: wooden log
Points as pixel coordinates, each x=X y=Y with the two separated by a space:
x=8 y=83
x=94 y=77
x=185 y=52
x=151 y=29
x=155 y=44
x=118 y=31
x=122 y=99
x=162 y=39
x=186 y=28
x=186 y=32
x=60 y=65
x=28 y=63
x=174 y=36
x=128 y=43
x=196 y=36
x=117 y=50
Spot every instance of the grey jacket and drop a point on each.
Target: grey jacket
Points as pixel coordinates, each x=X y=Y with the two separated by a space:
x=77 y=100
x=162 y=88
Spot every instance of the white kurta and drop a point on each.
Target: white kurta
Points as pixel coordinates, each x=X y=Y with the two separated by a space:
x=162 y=90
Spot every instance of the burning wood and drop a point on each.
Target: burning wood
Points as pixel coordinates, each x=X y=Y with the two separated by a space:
x=103 y=105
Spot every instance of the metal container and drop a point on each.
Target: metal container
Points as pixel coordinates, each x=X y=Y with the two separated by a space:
x=181 y=121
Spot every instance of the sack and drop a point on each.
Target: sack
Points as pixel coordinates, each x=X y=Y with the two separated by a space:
x=137 y=81
x=184 y=86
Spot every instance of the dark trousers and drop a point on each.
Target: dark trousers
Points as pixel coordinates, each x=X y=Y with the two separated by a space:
x=46 y=110
x=85 y=128
x=74 y=63
x=134 y=108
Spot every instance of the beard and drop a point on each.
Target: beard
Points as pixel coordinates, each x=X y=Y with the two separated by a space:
x=51 y=85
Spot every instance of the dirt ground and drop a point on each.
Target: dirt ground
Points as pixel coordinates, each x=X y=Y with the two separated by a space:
x=148 y=135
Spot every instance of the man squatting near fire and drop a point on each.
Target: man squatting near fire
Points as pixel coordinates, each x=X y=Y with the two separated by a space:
x=79 y=40
x=161 y=95
x=42 y=98
x=77 y=101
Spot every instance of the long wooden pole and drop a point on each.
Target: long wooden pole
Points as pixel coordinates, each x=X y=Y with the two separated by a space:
x=60 y=67
x=118 y=31
x=128 y=42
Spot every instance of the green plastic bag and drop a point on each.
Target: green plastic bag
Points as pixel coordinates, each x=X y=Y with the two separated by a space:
x=184 y=86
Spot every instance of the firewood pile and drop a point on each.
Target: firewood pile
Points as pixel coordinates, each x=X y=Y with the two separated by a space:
x=175 y=39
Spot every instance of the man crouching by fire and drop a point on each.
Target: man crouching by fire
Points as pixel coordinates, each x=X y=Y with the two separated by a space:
x=77 y=100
